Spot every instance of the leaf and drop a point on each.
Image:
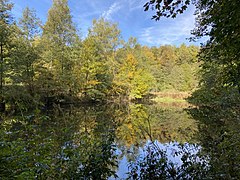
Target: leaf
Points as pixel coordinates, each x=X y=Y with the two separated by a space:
x=147 y=4
x=146 y=8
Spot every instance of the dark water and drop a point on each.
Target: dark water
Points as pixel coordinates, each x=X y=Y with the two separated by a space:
x=133 y=141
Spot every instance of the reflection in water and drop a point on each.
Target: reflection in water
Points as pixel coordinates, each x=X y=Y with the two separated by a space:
x=72 y=144
x=155 y=159
x=100 y=142
x=153 y=122
x=174 y=161
x=219 y=136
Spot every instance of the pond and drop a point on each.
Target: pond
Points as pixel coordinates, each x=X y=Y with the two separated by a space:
x=134 y=141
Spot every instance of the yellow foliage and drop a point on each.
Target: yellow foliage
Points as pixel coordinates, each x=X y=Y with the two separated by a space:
x=130 y=75
x=148 y=54
x=93 y=82
x=131 y=60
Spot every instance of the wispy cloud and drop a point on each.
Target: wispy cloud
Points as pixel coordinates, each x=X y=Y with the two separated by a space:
x=136 y=4
x=111 y=10
x=170 y=31
x=129 y=15
x=147 y=35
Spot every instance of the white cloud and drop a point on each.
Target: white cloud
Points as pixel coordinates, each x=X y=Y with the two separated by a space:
x=111 y=10
x=168 y=31
x=129 y=14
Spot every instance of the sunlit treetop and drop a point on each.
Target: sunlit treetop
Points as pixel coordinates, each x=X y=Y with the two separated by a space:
x=5 y=8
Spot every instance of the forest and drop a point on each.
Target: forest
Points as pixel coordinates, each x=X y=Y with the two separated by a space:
x=49 y=63
x=101 y=101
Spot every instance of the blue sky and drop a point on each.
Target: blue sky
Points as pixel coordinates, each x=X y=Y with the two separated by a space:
x=129 y=14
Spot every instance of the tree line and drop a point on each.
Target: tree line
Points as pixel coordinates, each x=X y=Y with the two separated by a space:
x=42 y=63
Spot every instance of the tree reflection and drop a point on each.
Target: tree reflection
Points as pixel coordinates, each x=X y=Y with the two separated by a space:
x=89 y=142
x=155 y=162
x=216 y=155
x=70 y=144
x=219 y=136
x=143 y=122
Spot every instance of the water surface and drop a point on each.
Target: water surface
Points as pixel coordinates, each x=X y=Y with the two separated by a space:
x=101 y=141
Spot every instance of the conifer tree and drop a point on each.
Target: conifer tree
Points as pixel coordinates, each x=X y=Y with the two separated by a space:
x=27 y=53
x=5 y=31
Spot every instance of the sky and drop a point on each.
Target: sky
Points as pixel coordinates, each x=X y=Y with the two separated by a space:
x=128 y=14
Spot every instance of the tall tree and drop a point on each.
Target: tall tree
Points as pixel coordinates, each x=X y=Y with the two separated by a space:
x=30 y=24
x=59 y=27
x=59 y=35
x=107 y=36
x=88 y=68
x=132 y=80
x=106 y=33
x=220 y=21
x=26 y=50
x=5 y=31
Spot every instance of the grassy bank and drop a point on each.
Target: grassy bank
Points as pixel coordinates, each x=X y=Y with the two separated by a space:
x=170 y=97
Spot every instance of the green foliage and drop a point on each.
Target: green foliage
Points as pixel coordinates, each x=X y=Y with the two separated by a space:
x=83 y=148
x=5 y=33
x=86 y=140
x=212 y=92
x=219 y=137
x=29 y=24
x=219 y=21
x=221 y=52
x=155 y=164
x=50 y=63
x=141 y=84
x=90 y=141
x=5 y=19
x=88 y=66
x=59 y=35
x=177 y=68
x=106 y=36
x=59 y=28
x=183 y=77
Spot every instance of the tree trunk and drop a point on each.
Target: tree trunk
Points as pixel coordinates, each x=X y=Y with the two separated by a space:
x=1 y=73
x=238 y=80
x=2 y=103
